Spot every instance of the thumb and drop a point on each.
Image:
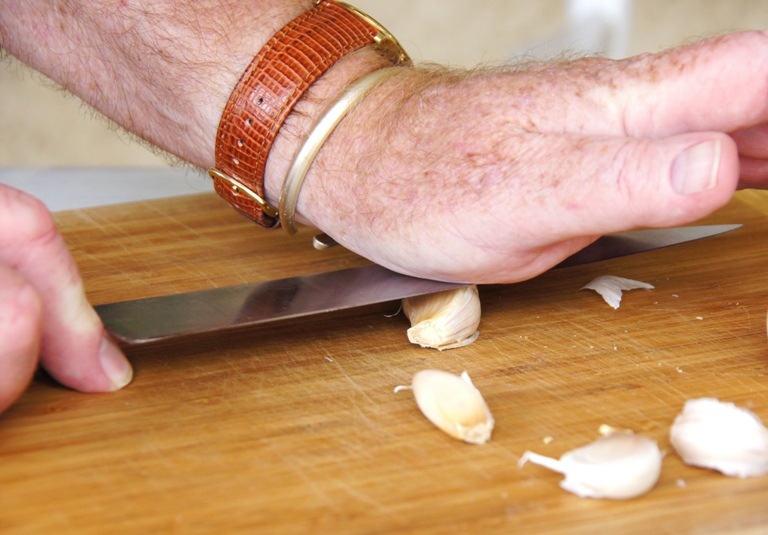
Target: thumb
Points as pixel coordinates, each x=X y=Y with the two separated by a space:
x=627 y=183
x=74 y=346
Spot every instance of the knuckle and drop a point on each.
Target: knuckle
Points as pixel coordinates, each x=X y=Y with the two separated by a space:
x=18 y=298
x=26 y=219
x=21 y=311
x=638 y=172
x=630 y=168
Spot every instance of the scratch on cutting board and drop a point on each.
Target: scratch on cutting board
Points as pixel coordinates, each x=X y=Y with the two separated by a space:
x=749 y=314
x=103 y=225
x=294 y=465
x=498 y=350
x=98 y=259
x=109 y=229
x=205 y=275
x=669 y=387
x=303 y=469
x=362 y=496
x=175 y=220
x=356 y=387
x=478 y=467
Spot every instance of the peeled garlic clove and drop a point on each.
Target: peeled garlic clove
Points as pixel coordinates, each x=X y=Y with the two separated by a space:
x=453 y=404
x=721 y=436
x=616 y=466
x=610 y=287
x=444 y=320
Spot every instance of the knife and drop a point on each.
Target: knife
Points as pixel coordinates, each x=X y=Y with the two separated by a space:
x=157 y=318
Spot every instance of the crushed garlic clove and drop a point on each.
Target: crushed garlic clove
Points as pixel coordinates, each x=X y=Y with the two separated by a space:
x=453 y=404
x=721 y=436
x=444 y=320
x=610 y=288
x=616 y=466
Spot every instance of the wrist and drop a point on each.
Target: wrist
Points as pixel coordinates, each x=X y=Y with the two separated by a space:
x=286 y=71
x=211 y=81
x=316 y=99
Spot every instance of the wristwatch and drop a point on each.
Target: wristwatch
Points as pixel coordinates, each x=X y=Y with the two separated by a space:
x=275 y=80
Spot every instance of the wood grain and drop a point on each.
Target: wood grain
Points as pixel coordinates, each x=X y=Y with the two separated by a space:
x=295 y=428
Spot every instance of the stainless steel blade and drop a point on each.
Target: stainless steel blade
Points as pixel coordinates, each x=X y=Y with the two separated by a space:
x=156 y=318
x=640 y=241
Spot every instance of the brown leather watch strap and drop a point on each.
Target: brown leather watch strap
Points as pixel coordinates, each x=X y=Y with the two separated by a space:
x=292 y=60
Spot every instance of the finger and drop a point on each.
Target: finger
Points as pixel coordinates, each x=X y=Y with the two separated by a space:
x=610 y=184
x=753 y=142
x=718 y=84
x=21 y=314
x=753 y=148
x=754 y=173
x=74 y=346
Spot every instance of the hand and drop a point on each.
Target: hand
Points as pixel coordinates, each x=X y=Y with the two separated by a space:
x=44 y=313
x=498 y=176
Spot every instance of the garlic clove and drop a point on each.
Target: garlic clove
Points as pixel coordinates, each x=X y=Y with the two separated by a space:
x=721 y=436
x=616 y=466
x=444 y=320
x=453 y=404
x=610 y=288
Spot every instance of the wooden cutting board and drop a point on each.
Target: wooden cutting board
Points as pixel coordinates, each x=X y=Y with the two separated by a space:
x=295 y=428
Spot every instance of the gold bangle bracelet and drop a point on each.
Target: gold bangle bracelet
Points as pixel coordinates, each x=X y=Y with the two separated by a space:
x=319 y=133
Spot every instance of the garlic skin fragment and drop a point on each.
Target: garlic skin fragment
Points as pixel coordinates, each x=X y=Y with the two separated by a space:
x=617 y=466
x=721 y=436
x=610 y=287
x=444 y=320
x=453 y=404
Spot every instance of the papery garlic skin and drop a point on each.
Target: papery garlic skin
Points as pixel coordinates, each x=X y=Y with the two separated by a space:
x=444 y=320
x=453 y=404
x=721 y=436
x=610 y=288
x=617 y=466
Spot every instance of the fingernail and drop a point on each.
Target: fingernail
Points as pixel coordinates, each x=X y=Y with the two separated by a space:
x=114 y=364
x=695 y=169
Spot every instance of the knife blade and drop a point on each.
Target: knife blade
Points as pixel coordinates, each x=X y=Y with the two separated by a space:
x=157 y=318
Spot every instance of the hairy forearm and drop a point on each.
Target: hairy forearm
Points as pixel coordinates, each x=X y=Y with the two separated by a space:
x=162 y=69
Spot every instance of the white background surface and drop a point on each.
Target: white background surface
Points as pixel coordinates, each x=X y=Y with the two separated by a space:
x=70 y=188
